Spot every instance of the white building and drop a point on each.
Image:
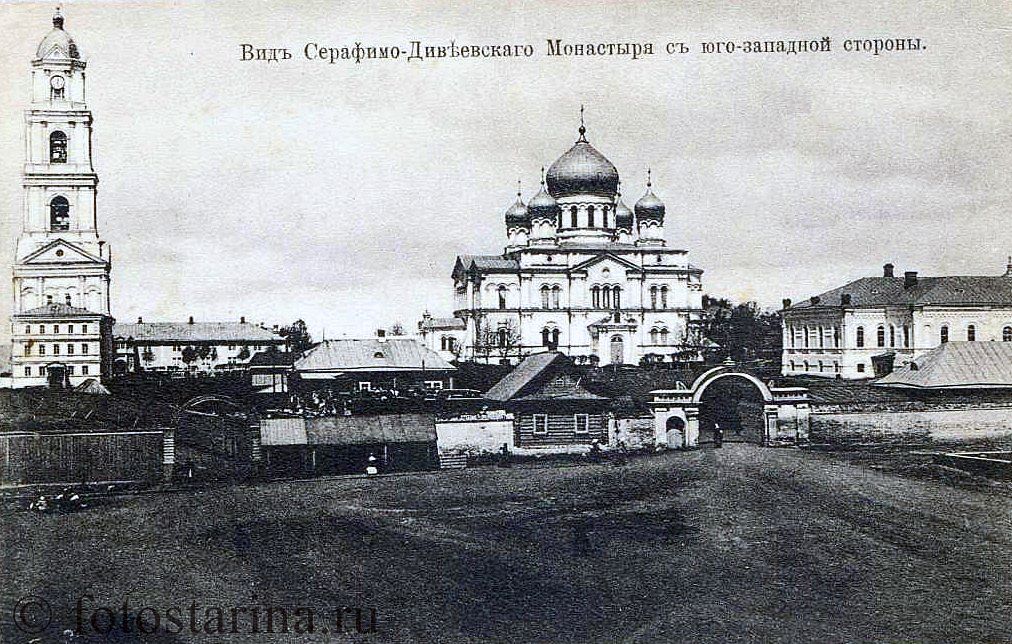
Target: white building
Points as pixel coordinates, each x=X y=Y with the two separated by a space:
x=190 y=347
x=581 y=273
x=897 y=319
x=61 y=267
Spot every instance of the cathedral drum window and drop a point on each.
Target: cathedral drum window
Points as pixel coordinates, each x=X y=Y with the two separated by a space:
x=58 y=85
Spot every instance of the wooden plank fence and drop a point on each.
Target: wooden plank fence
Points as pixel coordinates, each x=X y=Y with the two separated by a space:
x=83 y=457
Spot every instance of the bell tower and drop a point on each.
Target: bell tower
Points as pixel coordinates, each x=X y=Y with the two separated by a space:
x=59 y=259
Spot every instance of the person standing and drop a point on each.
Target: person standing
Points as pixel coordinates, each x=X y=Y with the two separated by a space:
x=718 y=435
x=371 y=468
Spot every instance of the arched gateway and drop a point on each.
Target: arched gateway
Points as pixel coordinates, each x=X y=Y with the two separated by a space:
x=739 y=402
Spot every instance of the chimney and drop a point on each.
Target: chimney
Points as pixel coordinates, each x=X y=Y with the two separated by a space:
x=190 y=320
x=815 y=300
x=887 y=270
x=787 y=302
x=242 y=319
x=909 y=279
x=845 y=299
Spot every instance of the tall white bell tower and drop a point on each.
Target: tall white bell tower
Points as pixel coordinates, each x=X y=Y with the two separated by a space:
x=61 y=267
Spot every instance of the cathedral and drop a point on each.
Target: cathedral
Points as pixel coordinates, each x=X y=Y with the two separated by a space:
x=581 y=273
x=60 y=322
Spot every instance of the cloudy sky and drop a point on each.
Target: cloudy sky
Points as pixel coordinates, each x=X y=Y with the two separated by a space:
x=342 y=193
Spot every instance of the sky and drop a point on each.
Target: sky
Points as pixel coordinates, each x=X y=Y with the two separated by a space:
x=342 y=193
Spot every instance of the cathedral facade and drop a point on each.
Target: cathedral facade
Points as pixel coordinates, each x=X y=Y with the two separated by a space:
x=61 y=326
x=581 y=273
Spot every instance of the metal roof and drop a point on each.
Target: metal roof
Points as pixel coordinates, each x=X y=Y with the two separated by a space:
x=369 y=430
x=373 y=354
x=56 y=311
x=926 y=291
x=183 y=332
x=444 y=324
x=956 y=365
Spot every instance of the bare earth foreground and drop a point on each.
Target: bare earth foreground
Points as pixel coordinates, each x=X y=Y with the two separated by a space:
x=742 y=543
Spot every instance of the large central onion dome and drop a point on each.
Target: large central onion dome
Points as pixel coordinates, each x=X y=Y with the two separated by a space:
x=582 y=171
x=58 y=39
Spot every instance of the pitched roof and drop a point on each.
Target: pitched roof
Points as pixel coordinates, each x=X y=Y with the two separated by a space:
x=956 y=365
x=488 y=263
x=431 y=323
x=366 y=430
x=890 y=291
x=529 y=368
x=392 y=354
x=196 y=332
x=56 y=311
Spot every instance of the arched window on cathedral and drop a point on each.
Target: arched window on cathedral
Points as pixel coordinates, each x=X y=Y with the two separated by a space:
x=616 y=297
x=836 y=337
x=892 y=336
x=606 y=297
x=860 y=337
x=544 y=296
x=880 y=336
x=822 y=338
x=57 y=147
x=664 y=336
x=906 y=336
x=654 y=336
x=556 y=296
x=591 y=214
x=442 y=343
x=550 y=338
x=604 y=216
x=502 y=297
x=595 y=296
x=572 y=217
x=59 y=214
x=664 y=297
x=502 y=338
x=653 y=297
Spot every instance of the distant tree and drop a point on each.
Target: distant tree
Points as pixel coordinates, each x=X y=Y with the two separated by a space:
x=189 y=354
x=398 y=329
x=243 y=353
x=484 y=339
x=148 y=355
x=507 y=338
x=204 y=351
x=296 y=336
x=744 y=331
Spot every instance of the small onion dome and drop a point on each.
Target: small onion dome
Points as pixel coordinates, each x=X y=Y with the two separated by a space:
x=57 y=38
x=543 y=205
x=649 y=207
x=516 y=215
x=623 y=216
x=582 y=171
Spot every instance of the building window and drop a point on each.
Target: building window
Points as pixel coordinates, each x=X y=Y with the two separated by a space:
x=57 y=147
x=433 y=384
x=581 y=423
x=653 y=297
x=792 y=365
x=807 y=366
x=365 y=386
x=28 y=371
x=550 y=338
x=906 y=335
x=880 y=336
x=544 y=296
x=595 y=297
x=540 y=423
x=84 y=348
x=860 y=367
x=70 y=349
x=664 y=297
x=616 y=297
x=606 y=297
x=572 y=217
x=820 y=366
x=892 y=336
x=84 y=328
x=70 y=370
x=556 y=296
x=56 y=349
x=822 y=339
x=836 y=367
x=1006 y=334
x=84 y=370
x=664 y=337
x=59 y=214
x=28 y=329
x=56 y=328
x=501 y=338
x=836 y=337
x=502 y=297
x=653 y=336
x=971 y=333
x=591 y=215
x=860 y=337
x=42 y=349
x=70 y=328
x=944 y=333
x=806 y=337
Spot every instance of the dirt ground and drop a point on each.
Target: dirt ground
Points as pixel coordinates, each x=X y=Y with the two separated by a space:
x=737 y=544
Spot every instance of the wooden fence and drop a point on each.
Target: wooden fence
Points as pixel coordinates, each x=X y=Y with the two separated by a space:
x=84 y=457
